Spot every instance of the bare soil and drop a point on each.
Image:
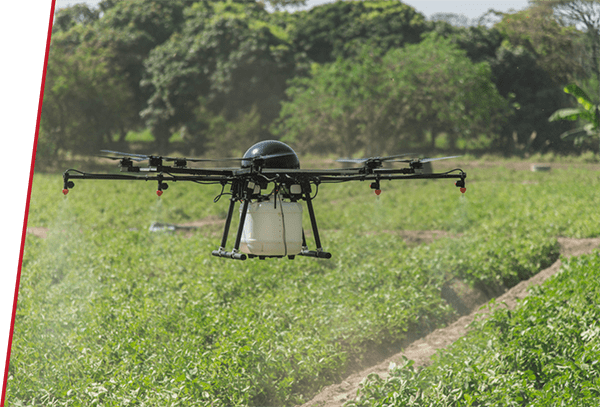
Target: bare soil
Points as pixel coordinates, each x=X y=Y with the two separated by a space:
x=38 y=231
x=421 y=350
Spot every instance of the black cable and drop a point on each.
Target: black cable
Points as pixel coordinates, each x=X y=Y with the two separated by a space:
x=216 y=199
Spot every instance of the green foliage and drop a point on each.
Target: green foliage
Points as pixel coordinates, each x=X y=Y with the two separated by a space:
x=213 y=71
x=95 y=66
x=532 y=57
x=544 y=352
x=68 y=17
x=85 y=101
x=339 y=108
x=521 y=80
x=227 y=138
x=341 y=29
x=129 y=30
x=555 y=46
x=480 y=42
x=583 y=16
x=382 y=101
x=587 y=112
x=227 y=60
x=563 y=37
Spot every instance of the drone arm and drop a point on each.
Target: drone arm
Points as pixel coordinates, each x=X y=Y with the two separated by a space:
x=68 y=176
x=460 y=175
x=400 y=174
x=71 y=174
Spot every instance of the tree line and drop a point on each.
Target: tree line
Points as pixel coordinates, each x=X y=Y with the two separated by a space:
x=346 y=77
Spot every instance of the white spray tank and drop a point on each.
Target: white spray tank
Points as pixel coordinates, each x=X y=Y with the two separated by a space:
x=272 y=228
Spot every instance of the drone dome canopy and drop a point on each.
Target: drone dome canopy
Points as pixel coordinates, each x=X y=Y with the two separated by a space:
x=274 y=153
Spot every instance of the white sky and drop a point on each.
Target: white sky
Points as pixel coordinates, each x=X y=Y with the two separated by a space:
x=471 y=9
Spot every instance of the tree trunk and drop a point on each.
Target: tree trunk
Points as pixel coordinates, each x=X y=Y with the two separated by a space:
x=161 y=135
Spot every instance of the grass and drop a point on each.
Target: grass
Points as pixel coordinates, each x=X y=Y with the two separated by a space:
x=110 y=313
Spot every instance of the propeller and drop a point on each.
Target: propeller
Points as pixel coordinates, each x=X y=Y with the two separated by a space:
x=426 y=160
x=157 y=160
x=124 y=155
x=371 y=159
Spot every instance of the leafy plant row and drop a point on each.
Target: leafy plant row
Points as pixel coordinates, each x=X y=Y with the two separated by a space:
x=545 y=352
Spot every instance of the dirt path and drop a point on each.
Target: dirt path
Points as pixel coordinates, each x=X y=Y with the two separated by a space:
x=421 y=350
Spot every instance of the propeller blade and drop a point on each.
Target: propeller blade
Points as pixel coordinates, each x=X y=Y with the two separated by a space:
x=352 y=160
x=426 y=160
x=202 y=159
x=109 y=157
x=389 y=158
x=134 y=158
x=140 y=157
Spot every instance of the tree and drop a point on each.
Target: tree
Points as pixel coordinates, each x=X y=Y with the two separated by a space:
x=555 y=47
x=96 y=63
x=340 y=29
x=281 y=4
x=227 y=60
x=584 y=15
x=380 y=102
x=78 y=14
x=84 y=101
x=128 y=31
x=446 y=91
x=532 y=57
x=340 y=107
x=453 y=19
x=479 y=42
x=533 y=95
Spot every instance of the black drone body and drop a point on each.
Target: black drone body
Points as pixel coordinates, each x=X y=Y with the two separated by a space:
x=270 y=221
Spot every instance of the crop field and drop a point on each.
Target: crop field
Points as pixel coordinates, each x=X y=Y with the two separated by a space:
x=545 y=352
x=110 y=313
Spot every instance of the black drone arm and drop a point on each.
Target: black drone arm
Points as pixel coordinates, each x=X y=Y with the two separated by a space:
x=346 y=175
x=202 y=176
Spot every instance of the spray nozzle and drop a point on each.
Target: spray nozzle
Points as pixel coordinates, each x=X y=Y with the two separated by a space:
x=161 y=186
x=461 y=184
x=375 y=185
x=68 y=185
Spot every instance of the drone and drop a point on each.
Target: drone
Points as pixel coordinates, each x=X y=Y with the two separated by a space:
x=270 y=223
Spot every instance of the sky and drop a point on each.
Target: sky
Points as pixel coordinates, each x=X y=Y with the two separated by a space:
x=471 y=9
